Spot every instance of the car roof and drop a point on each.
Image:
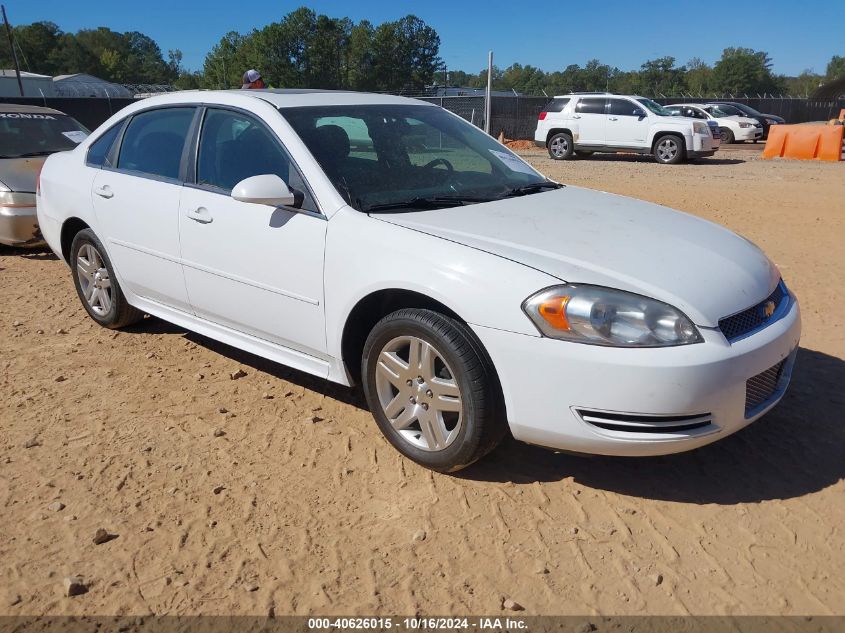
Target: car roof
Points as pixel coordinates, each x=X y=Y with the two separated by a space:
x=597 y=94
x=296 y=97
x=27 y=109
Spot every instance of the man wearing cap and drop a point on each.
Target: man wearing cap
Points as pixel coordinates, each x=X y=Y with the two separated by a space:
x=252 y=80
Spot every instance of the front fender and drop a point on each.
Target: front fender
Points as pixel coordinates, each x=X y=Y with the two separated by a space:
x=365 y=255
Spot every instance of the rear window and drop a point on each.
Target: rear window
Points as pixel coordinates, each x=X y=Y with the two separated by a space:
x=556 y=105
x=38 y=134
x=153 y=141
x=591 y=106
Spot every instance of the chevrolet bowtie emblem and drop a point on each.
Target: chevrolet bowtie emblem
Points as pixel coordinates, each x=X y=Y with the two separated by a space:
x=769 y=309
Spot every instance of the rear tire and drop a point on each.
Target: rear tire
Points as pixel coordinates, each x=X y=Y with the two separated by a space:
x=96 y=283
x=432 y=389
x=669 y=150
x=561 y=146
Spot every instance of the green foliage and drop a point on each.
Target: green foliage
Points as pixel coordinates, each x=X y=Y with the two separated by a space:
x=308 y=50
x=835 y=68
x=121 y=57
x=745 y=71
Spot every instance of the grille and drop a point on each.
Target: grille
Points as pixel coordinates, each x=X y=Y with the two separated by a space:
x=760 y=388
x=639 y=423
x=740 y=324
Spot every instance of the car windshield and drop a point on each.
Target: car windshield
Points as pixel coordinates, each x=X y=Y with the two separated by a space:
x=656 y=107
x=746 y=109
x=722 y=110
x=391 y=157
x=37 y=134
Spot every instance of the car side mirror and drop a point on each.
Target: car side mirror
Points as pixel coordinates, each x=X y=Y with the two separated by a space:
x=639 y=112
x=266 y=189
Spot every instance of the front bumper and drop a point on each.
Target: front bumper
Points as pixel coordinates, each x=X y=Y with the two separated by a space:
x=748 y=134
x=546 y=382
x=19 y=226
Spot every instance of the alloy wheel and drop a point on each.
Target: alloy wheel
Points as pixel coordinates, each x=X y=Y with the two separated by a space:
x=559 y=146
x=667 y=149
x=94 y=279
x=419 y=393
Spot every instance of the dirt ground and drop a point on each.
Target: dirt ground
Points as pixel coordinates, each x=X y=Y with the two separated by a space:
x=275 y=492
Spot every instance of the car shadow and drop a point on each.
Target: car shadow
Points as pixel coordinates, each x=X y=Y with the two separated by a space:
x=796 y=449
x=640 y=158
x=39 y=253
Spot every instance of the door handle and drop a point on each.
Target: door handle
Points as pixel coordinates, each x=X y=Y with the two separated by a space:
x=576 y=116
x=200 y=215
x=612 y=118
x=104 y=192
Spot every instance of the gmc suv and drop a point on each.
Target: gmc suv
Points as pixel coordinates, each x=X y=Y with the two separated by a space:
x=583 y=123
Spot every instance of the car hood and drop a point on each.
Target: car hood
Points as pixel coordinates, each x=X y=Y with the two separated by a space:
x=20 y=174
x=739 y=119
x=584 y=236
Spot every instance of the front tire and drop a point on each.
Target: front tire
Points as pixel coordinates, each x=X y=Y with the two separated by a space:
x=432 y=389
x=96 y=283
x=561 y=146
x=669 y=150
x=727 y=135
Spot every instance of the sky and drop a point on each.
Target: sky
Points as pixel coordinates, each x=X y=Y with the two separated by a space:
x=549 y=35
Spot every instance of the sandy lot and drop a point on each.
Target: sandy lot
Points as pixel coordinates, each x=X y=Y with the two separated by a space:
x=276 y=491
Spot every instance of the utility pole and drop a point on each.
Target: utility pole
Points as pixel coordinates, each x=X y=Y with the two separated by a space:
x=12 y=48
x=488 y=100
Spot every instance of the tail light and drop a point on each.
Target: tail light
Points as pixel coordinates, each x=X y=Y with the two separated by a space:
x=542 y=116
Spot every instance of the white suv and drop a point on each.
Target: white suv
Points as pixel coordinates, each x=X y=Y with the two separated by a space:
x=584 y=123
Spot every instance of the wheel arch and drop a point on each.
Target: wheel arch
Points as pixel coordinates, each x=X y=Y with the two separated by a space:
x=558 y=130
x=660 y=134
x=70 y=228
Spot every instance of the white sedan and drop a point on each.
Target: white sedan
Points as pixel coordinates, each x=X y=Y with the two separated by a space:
x=384 y=241
x=733 y=124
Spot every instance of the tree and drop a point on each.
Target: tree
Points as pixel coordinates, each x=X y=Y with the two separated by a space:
x=660 y=76
x=745 y=71
x=405 y=54
x=835 y=68
x=699 y=76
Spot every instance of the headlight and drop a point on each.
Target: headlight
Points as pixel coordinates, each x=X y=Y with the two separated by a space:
x=746 y=124
x=772 y=122
x=603 y=316
x=700 y=128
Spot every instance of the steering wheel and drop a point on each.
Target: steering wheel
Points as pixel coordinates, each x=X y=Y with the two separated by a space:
x=439 y=161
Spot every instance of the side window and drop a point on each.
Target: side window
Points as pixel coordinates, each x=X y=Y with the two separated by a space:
x=153 y=142
x=623 y=107
x=329 y=128
x=98 y=152
x=556 y=105
x=234 y=146
x=591 y=106
x=695 y=113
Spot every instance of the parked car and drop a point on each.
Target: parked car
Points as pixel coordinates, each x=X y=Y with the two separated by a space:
x=766 y=120
x=28 y=134
x=732 y=126
x=468 y=294
x=583 y=123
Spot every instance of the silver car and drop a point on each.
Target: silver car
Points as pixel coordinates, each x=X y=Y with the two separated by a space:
x=28 y=134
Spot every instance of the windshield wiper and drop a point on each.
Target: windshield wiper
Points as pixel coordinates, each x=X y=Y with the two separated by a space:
x=31 y=154
x=534 y=187
x=430 y=202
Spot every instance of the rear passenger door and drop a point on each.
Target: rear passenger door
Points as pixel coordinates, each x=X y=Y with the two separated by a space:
x=136 y=195
x=627 y=124
x=592 y=121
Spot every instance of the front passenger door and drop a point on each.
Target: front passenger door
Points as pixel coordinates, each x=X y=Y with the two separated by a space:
x=251 y=267
x=627 y=124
